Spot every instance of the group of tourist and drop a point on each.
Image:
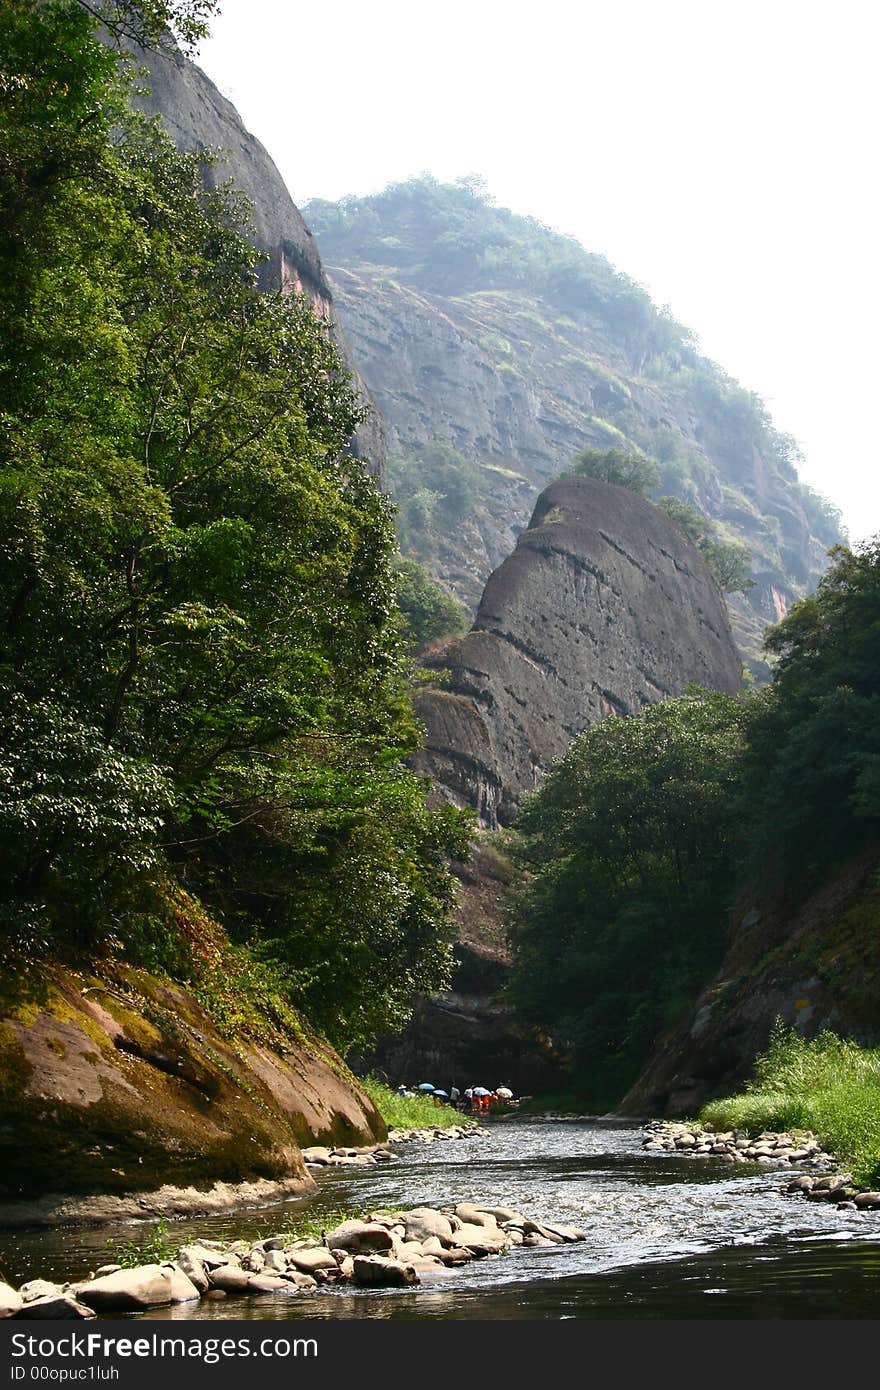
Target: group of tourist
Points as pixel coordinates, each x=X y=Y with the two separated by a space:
x=474 y=1100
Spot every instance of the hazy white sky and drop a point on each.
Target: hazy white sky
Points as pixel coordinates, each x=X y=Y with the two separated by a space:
x=724 y=155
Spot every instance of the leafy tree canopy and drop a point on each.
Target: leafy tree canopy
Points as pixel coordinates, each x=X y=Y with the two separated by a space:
x=629 y=847
x=631 y=470
x=201 y=671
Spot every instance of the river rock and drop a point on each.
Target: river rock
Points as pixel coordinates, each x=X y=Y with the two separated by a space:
x=359 y=1237
x=38 y=1288
x=423 y=1222
x=134 y=1290
x=454 y=1255
x=569 y=1234
x=474 y=1215
x=270 y=1283
x=480 y=1240
x=372 y=1271
x=209 y=1255
x=194 y=1269
x=10 y=1301
x=309 y=1260
x=60 y=1307
x=867 y=1201
x=230 y=1278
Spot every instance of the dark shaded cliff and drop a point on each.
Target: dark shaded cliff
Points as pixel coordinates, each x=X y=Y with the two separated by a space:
x=495 y=335
x=199 y=117
x=814 y=964
x=603 y=607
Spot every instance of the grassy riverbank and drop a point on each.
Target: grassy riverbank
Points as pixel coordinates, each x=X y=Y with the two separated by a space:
x=827 y=1084
x=409 y=1112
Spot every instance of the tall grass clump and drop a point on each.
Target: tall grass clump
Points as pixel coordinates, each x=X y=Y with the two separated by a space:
x=827 y=1084
x=408 y=1112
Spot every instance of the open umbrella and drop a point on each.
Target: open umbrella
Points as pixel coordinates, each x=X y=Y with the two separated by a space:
x=426 y=1086
x=444 y=1095
x=504 y=1092
x=481 y=1091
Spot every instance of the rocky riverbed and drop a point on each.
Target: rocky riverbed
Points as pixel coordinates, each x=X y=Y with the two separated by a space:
x=800 y=1147
x=389 y=1249
x=319 y=1156
x=734 y=1146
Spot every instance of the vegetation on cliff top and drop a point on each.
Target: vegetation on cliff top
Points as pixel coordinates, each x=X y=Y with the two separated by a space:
x=647 y=829
x=203 y=675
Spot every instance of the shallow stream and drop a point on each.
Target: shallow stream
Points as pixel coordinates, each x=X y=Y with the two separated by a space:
x=667 y=1237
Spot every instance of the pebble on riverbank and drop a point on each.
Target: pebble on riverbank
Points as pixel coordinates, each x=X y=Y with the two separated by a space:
x=318 y=1156
x=733 y=1146
x=387 y=1249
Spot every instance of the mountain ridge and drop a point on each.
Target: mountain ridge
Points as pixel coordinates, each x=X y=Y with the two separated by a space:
x=509 y=343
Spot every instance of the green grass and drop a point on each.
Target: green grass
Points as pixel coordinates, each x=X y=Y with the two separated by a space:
x=828 y=1084
x=156 y=1248
x=402 y=1112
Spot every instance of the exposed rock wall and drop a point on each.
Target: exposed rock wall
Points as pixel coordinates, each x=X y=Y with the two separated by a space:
x=519 y=376
x=199 y=117
x=603 y=607
x=128 y=1088
x=814 y=964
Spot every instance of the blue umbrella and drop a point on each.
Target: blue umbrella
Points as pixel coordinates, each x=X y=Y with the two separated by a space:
x=481 y=1091
x=426 y=1086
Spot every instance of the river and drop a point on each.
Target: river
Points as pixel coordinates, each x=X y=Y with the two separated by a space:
x=667 y=1237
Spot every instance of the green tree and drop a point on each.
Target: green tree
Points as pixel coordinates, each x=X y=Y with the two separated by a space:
x=728 y=561
x=634 y=471
x=200 y=662
x=630 y=845
x=427 y=610
x=814 y=749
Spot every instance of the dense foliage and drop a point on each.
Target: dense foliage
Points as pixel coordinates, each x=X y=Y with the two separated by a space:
x=827 y=1084
x=201 y=672
x=727 y=560
x=646 y=829
x=435 y=490
x=630 y=470
x=813 y=772
x=428 y=612
x=628 y=847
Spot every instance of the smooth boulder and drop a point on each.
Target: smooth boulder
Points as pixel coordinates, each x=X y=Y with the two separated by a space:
x=135 y=1290
x=359 y=1237
x=373 y=1271
x=10 y=1301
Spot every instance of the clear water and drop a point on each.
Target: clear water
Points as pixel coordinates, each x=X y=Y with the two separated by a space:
x=667 y=1237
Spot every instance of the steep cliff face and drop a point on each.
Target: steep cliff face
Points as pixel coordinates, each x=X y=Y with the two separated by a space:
x=814 y=964
x=603 y=607
x=497 y=336
x=126 y=1090
x=199 y=117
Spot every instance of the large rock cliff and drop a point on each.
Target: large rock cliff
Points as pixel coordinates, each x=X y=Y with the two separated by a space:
x=603 y=607
x=198 y=117
x=495 y=335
